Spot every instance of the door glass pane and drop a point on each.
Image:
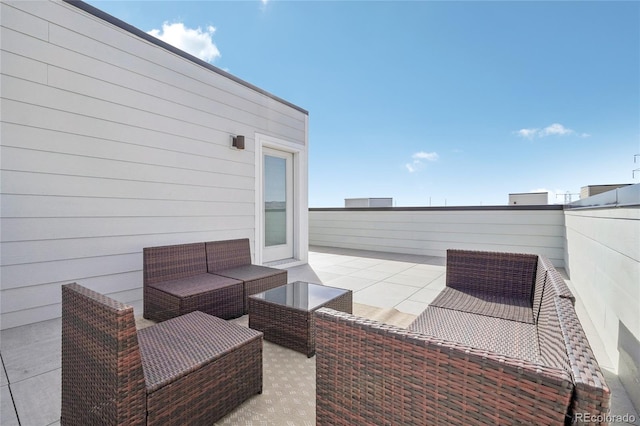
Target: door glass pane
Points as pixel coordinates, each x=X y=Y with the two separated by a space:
x=275 y=200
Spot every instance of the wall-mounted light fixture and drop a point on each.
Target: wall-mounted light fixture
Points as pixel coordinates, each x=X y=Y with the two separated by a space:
x=238 y=141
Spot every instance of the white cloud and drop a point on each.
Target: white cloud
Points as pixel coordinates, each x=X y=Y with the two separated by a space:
x=430 y=156
x=555 y=129
x=195 y=41
x=527 y=133
x=411 y=167
x=418 y=158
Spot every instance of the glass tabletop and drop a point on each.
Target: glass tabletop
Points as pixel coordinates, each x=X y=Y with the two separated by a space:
x=301 y=295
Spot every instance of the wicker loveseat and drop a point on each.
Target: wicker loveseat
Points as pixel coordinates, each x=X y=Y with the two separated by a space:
x=213 y=277
x=190 y=370
x=501 y=344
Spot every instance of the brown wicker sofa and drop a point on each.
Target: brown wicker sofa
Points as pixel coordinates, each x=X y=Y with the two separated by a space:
x=501 y=344
x=213 y=277
x=190 y=370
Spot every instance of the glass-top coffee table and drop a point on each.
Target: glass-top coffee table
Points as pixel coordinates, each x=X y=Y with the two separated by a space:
x=285 y=314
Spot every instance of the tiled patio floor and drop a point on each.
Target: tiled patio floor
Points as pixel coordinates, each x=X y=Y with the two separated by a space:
x=30 y=377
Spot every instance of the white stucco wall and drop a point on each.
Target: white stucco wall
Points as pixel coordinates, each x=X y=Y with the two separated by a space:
x=111 y=143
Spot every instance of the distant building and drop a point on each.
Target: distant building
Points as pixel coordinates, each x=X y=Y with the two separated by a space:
x=368 y=202
x=529 y=198
x=591 y=190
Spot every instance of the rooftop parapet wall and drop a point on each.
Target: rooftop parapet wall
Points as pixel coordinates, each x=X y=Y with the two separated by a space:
x=603 y=261
x=432 y=230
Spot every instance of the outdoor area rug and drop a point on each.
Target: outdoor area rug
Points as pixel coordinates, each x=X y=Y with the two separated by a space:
x=289 y=378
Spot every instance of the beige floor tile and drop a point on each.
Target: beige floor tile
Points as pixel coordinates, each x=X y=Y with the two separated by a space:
x=425 y=295
x=371 y=275
x=391 y=266
x=411 y=306
x=362 y=263
x=384 y=294
x=409 y=280
x=350 y=283
x=38 y=398
x=8 y=415
x=336 y=269
x=429 y=274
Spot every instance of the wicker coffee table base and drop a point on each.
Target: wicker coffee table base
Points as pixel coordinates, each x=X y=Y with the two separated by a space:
x=292 y=328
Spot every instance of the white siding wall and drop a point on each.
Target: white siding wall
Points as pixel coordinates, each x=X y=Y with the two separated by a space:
x=110 y=144
x=603 y=258
x=432 y=231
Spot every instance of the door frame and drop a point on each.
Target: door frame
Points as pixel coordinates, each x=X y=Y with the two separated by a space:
x=300 y=203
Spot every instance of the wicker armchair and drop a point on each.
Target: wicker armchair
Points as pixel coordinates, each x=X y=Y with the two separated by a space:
x=232 y=258
x=190 y=370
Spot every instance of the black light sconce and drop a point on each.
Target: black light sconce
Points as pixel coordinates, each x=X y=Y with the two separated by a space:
x=238 y=142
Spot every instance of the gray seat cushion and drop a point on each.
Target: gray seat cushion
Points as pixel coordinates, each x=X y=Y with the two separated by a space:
x=505 y=337
x=492 y=305
x=250 y=272
x=194 y=285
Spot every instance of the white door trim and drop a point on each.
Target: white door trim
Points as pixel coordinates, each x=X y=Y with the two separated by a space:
x=300 y=197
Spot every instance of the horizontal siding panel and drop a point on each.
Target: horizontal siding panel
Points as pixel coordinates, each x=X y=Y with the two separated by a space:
x=54 y=310
x=470 y=217
x=25 y=252
x=439 y=242
x=211 y=113
x=20 y=229
x=32 y=297
x=49 y=97
x=207 y=128
x=433 y=232
x=51 y=141
x=106 y=41
x=619 y=235
x=29 y=160
x=456 y=228
x=59 y=185
x=26 y=68
x=24 y=275
x=18 y=20
x=110 y=82
x=418 y=235
x=432 y=247
x=76 y=30
x=27 y=115
x=44 y=206
x=29 y=316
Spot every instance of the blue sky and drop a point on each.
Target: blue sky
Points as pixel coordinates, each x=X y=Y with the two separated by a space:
x=433 y=103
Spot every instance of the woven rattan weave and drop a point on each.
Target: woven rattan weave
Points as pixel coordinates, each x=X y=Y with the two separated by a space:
x=286 y=314
x=460 y=362
x=190 y=370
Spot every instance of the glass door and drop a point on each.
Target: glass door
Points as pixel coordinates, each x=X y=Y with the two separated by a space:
x=278 y=205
